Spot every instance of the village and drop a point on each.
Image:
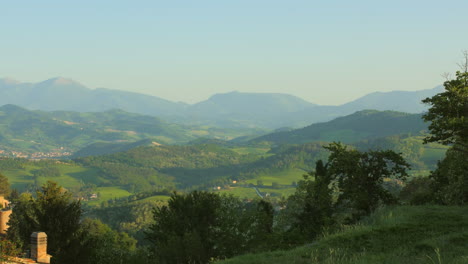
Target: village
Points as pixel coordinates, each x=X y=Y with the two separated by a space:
x=58 y=153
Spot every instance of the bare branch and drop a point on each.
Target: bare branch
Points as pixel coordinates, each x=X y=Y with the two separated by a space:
x=447 y=76
x=464 y=64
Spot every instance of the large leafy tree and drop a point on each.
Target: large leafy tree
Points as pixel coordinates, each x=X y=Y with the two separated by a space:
x=450 y=179
x=360 y=176
x=54 y=212
x=309 y=210
x=200 y=226
x=448 y=112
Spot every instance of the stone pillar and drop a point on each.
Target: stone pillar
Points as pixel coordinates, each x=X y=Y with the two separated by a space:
x=4 y=218
x=39 y=247
x=3 y=202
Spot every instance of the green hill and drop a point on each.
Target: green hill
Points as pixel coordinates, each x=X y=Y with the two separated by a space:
x=405 y=234
x=352 y=128
x=62 y=133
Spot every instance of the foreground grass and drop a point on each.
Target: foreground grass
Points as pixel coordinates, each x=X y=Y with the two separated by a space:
x=404 y=234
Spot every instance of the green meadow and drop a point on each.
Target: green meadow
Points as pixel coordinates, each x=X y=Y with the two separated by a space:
x=282 y=177
x=403 y=235
x=70 y=176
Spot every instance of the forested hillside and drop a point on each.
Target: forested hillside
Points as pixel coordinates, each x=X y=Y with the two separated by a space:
x=352 y=128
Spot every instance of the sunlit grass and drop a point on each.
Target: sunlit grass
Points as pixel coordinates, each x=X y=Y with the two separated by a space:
x=107 y=193
x=283 y=177
x=405 y=234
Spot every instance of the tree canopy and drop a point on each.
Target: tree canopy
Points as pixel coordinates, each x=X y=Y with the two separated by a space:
x=360 y=176
x=200 y=226
x=448 y=112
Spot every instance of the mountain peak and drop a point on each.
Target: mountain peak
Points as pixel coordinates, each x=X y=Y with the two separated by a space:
x=60 y=81
x=9 y=80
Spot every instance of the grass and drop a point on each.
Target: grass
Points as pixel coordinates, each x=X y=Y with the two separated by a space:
x=70 y=176
x=242 y=192
x=278 y=192
x=404 y=234
x=107 y=193
x=283 y=177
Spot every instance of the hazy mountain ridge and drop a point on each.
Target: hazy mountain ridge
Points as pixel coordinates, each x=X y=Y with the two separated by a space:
x=65 y=94
x=229 y=110
x=352 y=128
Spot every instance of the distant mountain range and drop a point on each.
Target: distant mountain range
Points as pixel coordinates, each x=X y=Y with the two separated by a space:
x=232 y=110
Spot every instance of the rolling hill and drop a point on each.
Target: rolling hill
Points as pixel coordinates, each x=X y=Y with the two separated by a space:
x=352 y=128
x=28 y=131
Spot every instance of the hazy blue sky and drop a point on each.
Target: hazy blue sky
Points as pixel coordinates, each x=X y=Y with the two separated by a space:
x=327 y=52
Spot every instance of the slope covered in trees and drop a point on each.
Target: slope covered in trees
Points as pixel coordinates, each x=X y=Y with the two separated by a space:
x=352 y=128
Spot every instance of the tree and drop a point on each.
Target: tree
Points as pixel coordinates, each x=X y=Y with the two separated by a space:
x=309 y=210
x=101 y=244
x=448 y=112
x=450 y=179
x=54 y=212
x=360 y=176
x=200 y=226
x=4 y=186
x=183 y=230
x=449 y=116
x=8 y=250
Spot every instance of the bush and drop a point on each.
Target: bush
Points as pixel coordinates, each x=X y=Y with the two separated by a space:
x=418 y=191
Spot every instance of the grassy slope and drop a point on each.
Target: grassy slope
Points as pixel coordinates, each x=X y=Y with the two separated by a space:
x=70 y=176
x=404 y=234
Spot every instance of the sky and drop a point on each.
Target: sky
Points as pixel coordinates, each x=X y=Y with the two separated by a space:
x=326 y=52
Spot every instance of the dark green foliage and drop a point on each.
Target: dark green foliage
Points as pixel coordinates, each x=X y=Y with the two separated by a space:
x=11 y=163
x=103 y=148
x=53 y=212
x=420 y=156
x=4 y=186
x=183 y=231
x=200 y=226
x=70 y=240
x=131 y=216
x=360 y=176
x=8 y=250
x=418 y=191
x=309 y=211
x=448 y=112
x=100 y=244
x=450 y=179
